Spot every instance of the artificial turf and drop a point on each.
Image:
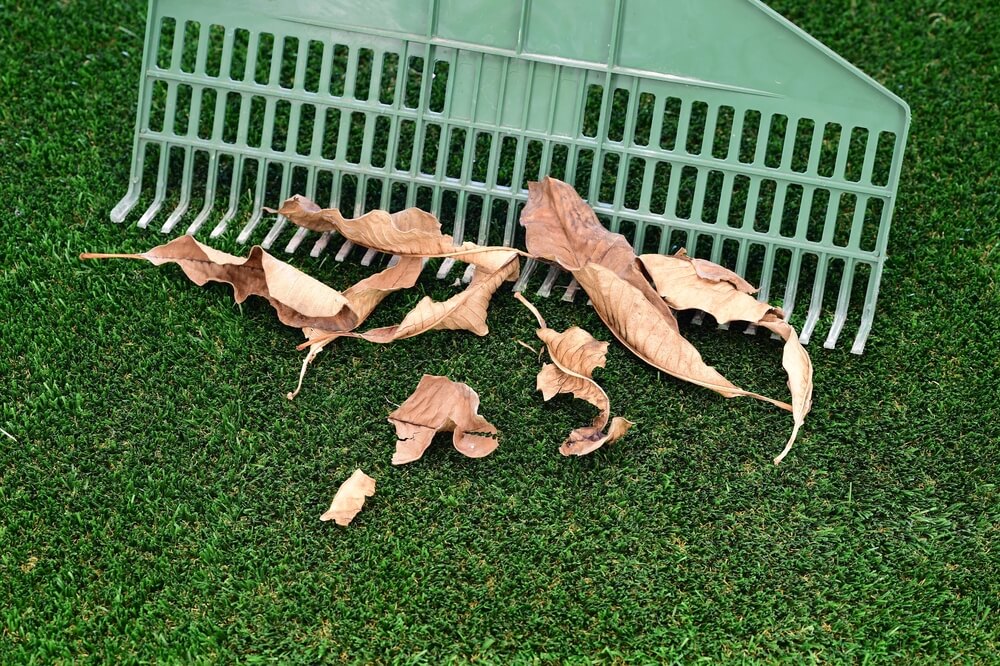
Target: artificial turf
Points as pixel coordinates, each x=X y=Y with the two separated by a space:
x=161 y=500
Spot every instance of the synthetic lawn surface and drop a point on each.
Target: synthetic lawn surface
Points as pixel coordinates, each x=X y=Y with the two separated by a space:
x=161 y=501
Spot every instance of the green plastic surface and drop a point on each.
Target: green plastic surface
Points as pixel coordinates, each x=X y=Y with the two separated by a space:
x=714 y=125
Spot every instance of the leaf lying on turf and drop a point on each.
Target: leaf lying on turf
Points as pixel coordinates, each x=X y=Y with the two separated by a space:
x=350 y=498
x=575 y=354
x=682 y=283
x=441 y=405
x=362 y=297
x=299 y=300
x=559 y=226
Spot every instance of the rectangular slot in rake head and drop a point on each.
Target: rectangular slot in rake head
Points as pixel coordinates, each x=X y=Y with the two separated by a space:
x=780 y=162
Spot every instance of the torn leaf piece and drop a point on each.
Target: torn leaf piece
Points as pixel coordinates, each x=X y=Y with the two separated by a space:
x=681 y=282
x=575 y=355
x=586 y=440
x=441 y=405
x=299 y=299
x=350 y=498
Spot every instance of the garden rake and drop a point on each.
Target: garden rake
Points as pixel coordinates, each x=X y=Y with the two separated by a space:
x=711 y=125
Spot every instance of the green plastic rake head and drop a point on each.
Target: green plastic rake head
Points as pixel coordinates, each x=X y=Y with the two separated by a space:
x=714 y=125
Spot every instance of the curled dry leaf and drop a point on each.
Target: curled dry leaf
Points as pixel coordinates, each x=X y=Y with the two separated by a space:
x=575 y=354
x=414 y=233
x=350 y=498
x=682 y=283
x=299 y=300
x=362 y=298
x=441 y=405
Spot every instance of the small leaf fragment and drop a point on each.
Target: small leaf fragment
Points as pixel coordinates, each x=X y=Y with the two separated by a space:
x=350 y=498
x=586 y=440
x=575 y=354
x=441 y=405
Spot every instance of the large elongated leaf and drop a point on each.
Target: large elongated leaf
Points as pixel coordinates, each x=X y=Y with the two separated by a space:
x=300 y=300
x=634 y=321
x=441 y=405
x=682 y=282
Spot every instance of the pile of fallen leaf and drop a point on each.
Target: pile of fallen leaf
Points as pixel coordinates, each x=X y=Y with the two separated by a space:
x=635 y=297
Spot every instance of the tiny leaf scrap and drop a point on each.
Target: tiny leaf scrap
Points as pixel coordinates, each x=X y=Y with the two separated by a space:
x=441 y=405
x=350 y=498
x=575 y=355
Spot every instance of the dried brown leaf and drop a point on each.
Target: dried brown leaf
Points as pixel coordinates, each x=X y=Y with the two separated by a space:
x=350 y=498
x=362 y=298
x=410 y=232
x=636 y=324
x=300 y=300
x=575 y=354
x=441 y=405
x=679 y=281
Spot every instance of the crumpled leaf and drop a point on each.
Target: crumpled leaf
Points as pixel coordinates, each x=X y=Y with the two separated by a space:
x=441 y=405
x=575 y=354
x=560 y=226
x=415 y=233
x=681 y=282
x=299 y=299
x=350 y=498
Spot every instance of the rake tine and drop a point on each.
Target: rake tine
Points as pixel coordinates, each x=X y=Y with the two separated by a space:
x=550 y=279
x=445 y=268
x=816 y=303
x=344 y=250
x=843 y=301
x=234 y=199
x=161 y=189
x=206 y=209
x=258 y=205
x=529 y=267
x=320 y=244
x=185 y=198
x=571 y=290
x=296 y=240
